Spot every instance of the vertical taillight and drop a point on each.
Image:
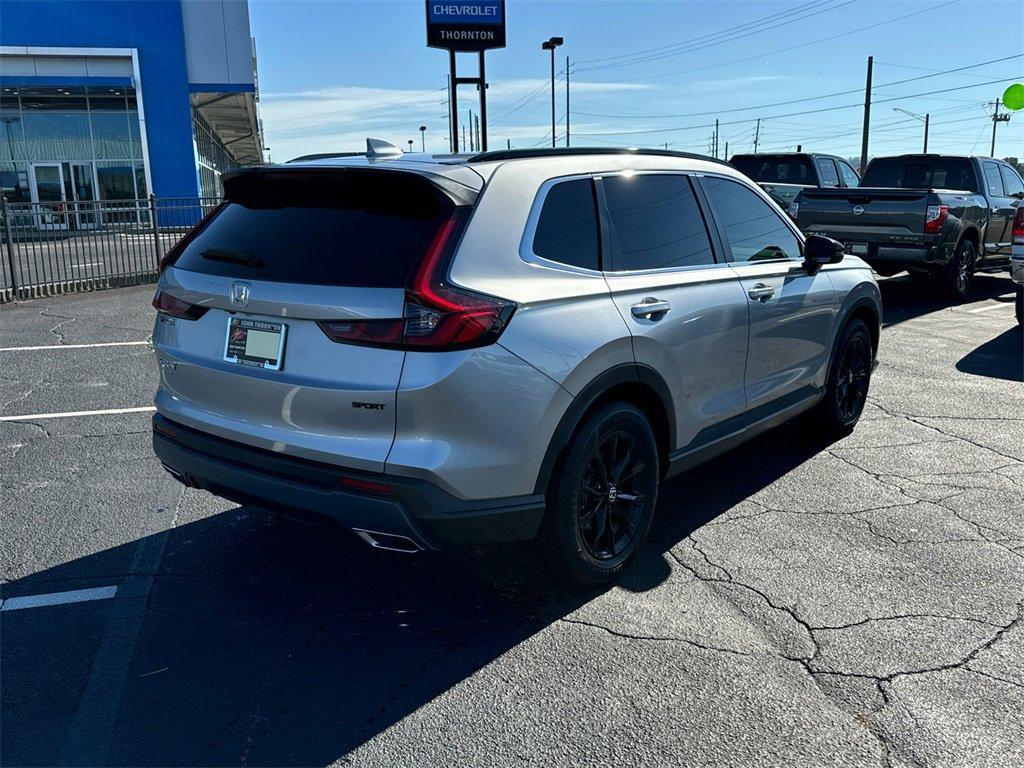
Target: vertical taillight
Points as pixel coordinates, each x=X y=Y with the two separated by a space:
x=437 y=316
x=935 y=217
x=1018 y=226
x=165 y=303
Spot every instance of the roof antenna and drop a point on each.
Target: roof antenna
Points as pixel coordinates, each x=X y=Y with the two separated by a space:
x=381 y=148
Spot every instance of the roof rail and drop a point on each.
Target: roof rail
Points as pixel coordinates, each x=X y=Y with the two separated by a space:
x=520 y=154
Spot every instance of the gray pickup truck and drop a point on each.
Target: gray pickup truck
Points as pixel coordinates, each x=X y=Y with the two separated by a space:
x=784 y=175
x=941 y=218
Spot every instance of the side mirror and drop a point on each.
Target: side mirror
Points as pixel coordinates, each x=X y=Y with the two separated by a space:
x=819 y=251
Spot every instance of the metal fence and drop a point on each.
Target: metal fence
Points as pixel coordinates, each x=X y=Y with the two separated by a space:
x=63 y=247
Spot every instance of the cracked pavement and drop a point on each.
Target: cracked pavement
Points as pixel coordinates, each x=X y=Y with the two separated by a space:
x=799 y=603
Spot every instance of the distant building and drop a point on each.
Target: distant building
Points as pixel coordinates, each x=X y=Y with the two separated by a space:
x=115 y=99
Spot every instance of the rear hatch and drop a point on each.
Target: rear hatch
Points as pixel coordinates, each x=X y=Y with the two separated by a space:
x=283 y=312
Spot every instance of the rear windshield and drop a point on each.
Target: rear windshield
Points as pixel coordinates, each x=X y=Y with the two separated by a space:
x=777 y=169
x=921 y=173
x=355 y=229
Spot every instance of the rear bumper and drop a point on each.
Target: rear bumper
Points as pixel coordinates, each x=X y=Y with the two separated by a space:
x=911 y=255
x=362 y=502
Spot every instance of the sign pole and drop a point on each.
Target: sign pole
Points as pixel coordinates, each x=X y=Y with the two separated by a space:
x=483 y=106
x=454 y=80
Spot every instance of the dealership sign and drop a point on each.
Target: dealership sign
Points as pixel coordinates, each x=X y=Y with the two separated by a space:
x=466 y=25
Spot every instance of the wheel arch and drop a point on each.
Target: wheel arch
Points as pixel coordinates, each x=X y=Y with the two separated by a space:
x=637 y=384
x=859 y=306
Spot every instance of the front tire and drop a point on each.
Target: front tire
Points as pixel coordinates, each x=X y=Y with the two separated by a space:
x=602 y=497
x=849 y=378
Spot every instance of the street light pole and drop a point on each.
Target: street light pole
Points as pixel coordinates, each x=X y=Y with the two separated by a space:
x=423 y=138
x=549 y=45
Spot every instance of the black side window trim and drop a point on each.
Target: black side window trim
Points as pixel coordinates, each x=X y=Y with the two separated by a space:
x=604 y=231
x=720 y=234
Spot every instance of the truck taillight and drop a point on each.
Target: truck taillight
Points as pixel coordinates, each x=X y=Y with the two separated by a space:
x=437 y=316
x=794 y=210
x=1018 y=226
x=934 y=218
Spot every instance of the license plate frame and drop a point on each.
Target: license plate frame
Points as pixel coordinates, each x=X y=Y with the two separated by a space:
x=237 y=343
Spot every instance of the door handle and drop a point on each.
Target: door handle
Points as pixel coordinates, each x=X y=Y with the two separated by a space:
x=650 y=309
x=761 y=292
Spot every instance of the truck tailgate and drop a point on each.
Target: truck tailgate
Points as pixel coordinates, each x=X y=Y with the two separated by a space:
x=876 y=215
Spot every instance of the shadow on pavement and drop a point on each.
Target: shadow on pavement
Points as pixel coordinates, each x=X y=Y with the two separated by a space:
x=904 y=299
x=269 y=642
x=999 y=358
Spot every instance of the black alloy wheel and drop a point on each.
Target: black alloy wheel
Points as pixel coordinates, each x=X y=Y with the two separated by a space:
x=611 y=502
x=854 y=373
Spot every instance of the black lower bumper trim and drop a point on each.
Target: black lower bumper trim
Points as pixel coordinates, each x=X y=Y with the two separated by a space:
x=389 y=504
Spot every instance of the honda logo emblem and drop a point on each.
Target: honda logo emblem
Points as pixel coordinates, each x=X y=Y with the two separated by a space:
x=858 y=210
x=239 y=295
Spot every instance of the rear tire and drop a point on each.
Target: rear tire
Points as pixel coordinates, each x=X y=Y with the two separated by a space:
x=1020 y=305
x=849 y=378
x=602 y=497
x=957 y=276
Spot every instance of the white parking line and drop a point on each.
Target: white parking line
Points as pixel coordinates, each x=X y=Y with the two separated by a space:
x=57 y=598
x=67 y=414
x=76 y=346
x=990 y=307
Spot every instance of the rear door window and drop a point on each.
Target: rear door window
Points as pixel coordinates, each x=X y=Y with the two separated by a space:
x=993 y=184
x=754 y=230
x=655 y=223
x=827 y=171
x=567 y=226
x=354 y=229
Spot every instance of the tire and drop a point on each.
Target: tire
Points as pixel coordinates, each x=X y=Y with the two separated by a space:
x=849 y=379
x=957 y=276
x=1020 y=305
x=601 y=499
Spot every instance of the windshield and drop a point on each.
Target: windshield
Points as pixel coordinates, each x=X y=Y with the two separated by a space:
x=921 y=173
x=778 y=169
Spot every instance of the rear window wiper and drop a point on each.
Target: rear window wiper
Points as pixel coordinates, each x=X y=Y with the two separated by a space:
x=232 y=257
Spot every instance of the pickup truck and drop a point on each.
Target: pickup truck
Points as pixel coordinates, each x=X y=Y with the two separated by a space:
x=940 y=217
x=784 y=175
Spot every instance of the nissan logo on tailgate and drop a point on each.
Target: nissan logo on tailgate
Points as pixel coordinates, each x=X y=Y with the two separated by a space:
x=239 y=295
x=858 y=210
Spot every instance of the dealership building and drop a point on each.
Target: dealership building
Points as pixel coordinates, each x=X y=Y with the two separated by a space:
x=117 y=99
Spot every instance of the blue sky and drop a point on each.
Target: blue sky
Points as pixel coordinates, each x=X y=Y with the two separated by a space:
x=649 y=73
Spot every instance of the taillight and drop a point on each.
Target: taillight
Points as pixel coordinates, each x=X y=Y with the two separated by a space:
x=935 y=217
x=168 y=305
x=436 y=317
x=793 y=210
x=1018 y=226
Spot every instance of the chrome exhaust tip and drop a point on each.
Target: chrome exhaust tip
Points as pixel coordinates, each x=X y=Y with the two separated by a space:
x=390 y=541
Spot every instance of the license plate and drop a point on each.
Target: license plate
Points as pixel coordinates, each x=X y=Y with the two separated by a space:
x=255 y=342
x=858 y=248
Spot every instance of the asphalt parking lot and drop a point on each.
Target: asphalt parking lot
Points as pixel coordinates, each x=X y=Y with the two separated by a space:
x=800 y=603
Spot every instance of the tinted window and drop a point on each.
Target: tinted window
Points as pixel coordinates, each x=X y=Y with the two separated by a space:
x=1011 y=181
x=993 y=184
x=849 y=175
x=567 y=227
x=360 y=228
x=827 y=171
x=754 y=230
x=779 y=169
x=920 y=173
x=656 y=223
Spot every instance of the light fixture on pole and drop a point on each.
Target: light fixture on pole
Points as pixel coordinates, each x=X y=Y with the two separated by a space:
x=549 y=45
x=924 y=119
x=410 y=145
x=423 y=138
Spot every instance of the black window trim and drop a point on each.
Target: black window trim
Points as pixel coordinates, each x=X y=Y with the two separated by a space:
x=726 y=248
x=526 y=252
x=717 y=252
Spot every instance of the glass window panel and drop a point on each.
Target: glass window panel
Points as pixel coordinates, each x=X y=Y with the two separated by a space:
x=140 y=180
x=567 y=227
x=656 y=223
x=14 y=182
x=754 y=230
x=56 y=135
x=1011 y=181
x=12 y=136
x=111 y=137
x=827 y=171
x=116 y=181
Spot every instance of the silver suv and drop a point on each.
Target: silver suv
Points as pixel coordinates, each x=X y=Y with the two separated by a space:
x=515 y=345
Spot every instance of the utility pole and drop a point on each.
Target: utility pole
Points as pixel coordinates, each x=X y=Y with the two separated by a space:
x=566 y=101
x=726 y=157
x=996 y=119
x=478 y=145
x=472 y=146
x=867 y=117
x=464 y=144
x=757 y=134
x=716 y=138
x=927 y=119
